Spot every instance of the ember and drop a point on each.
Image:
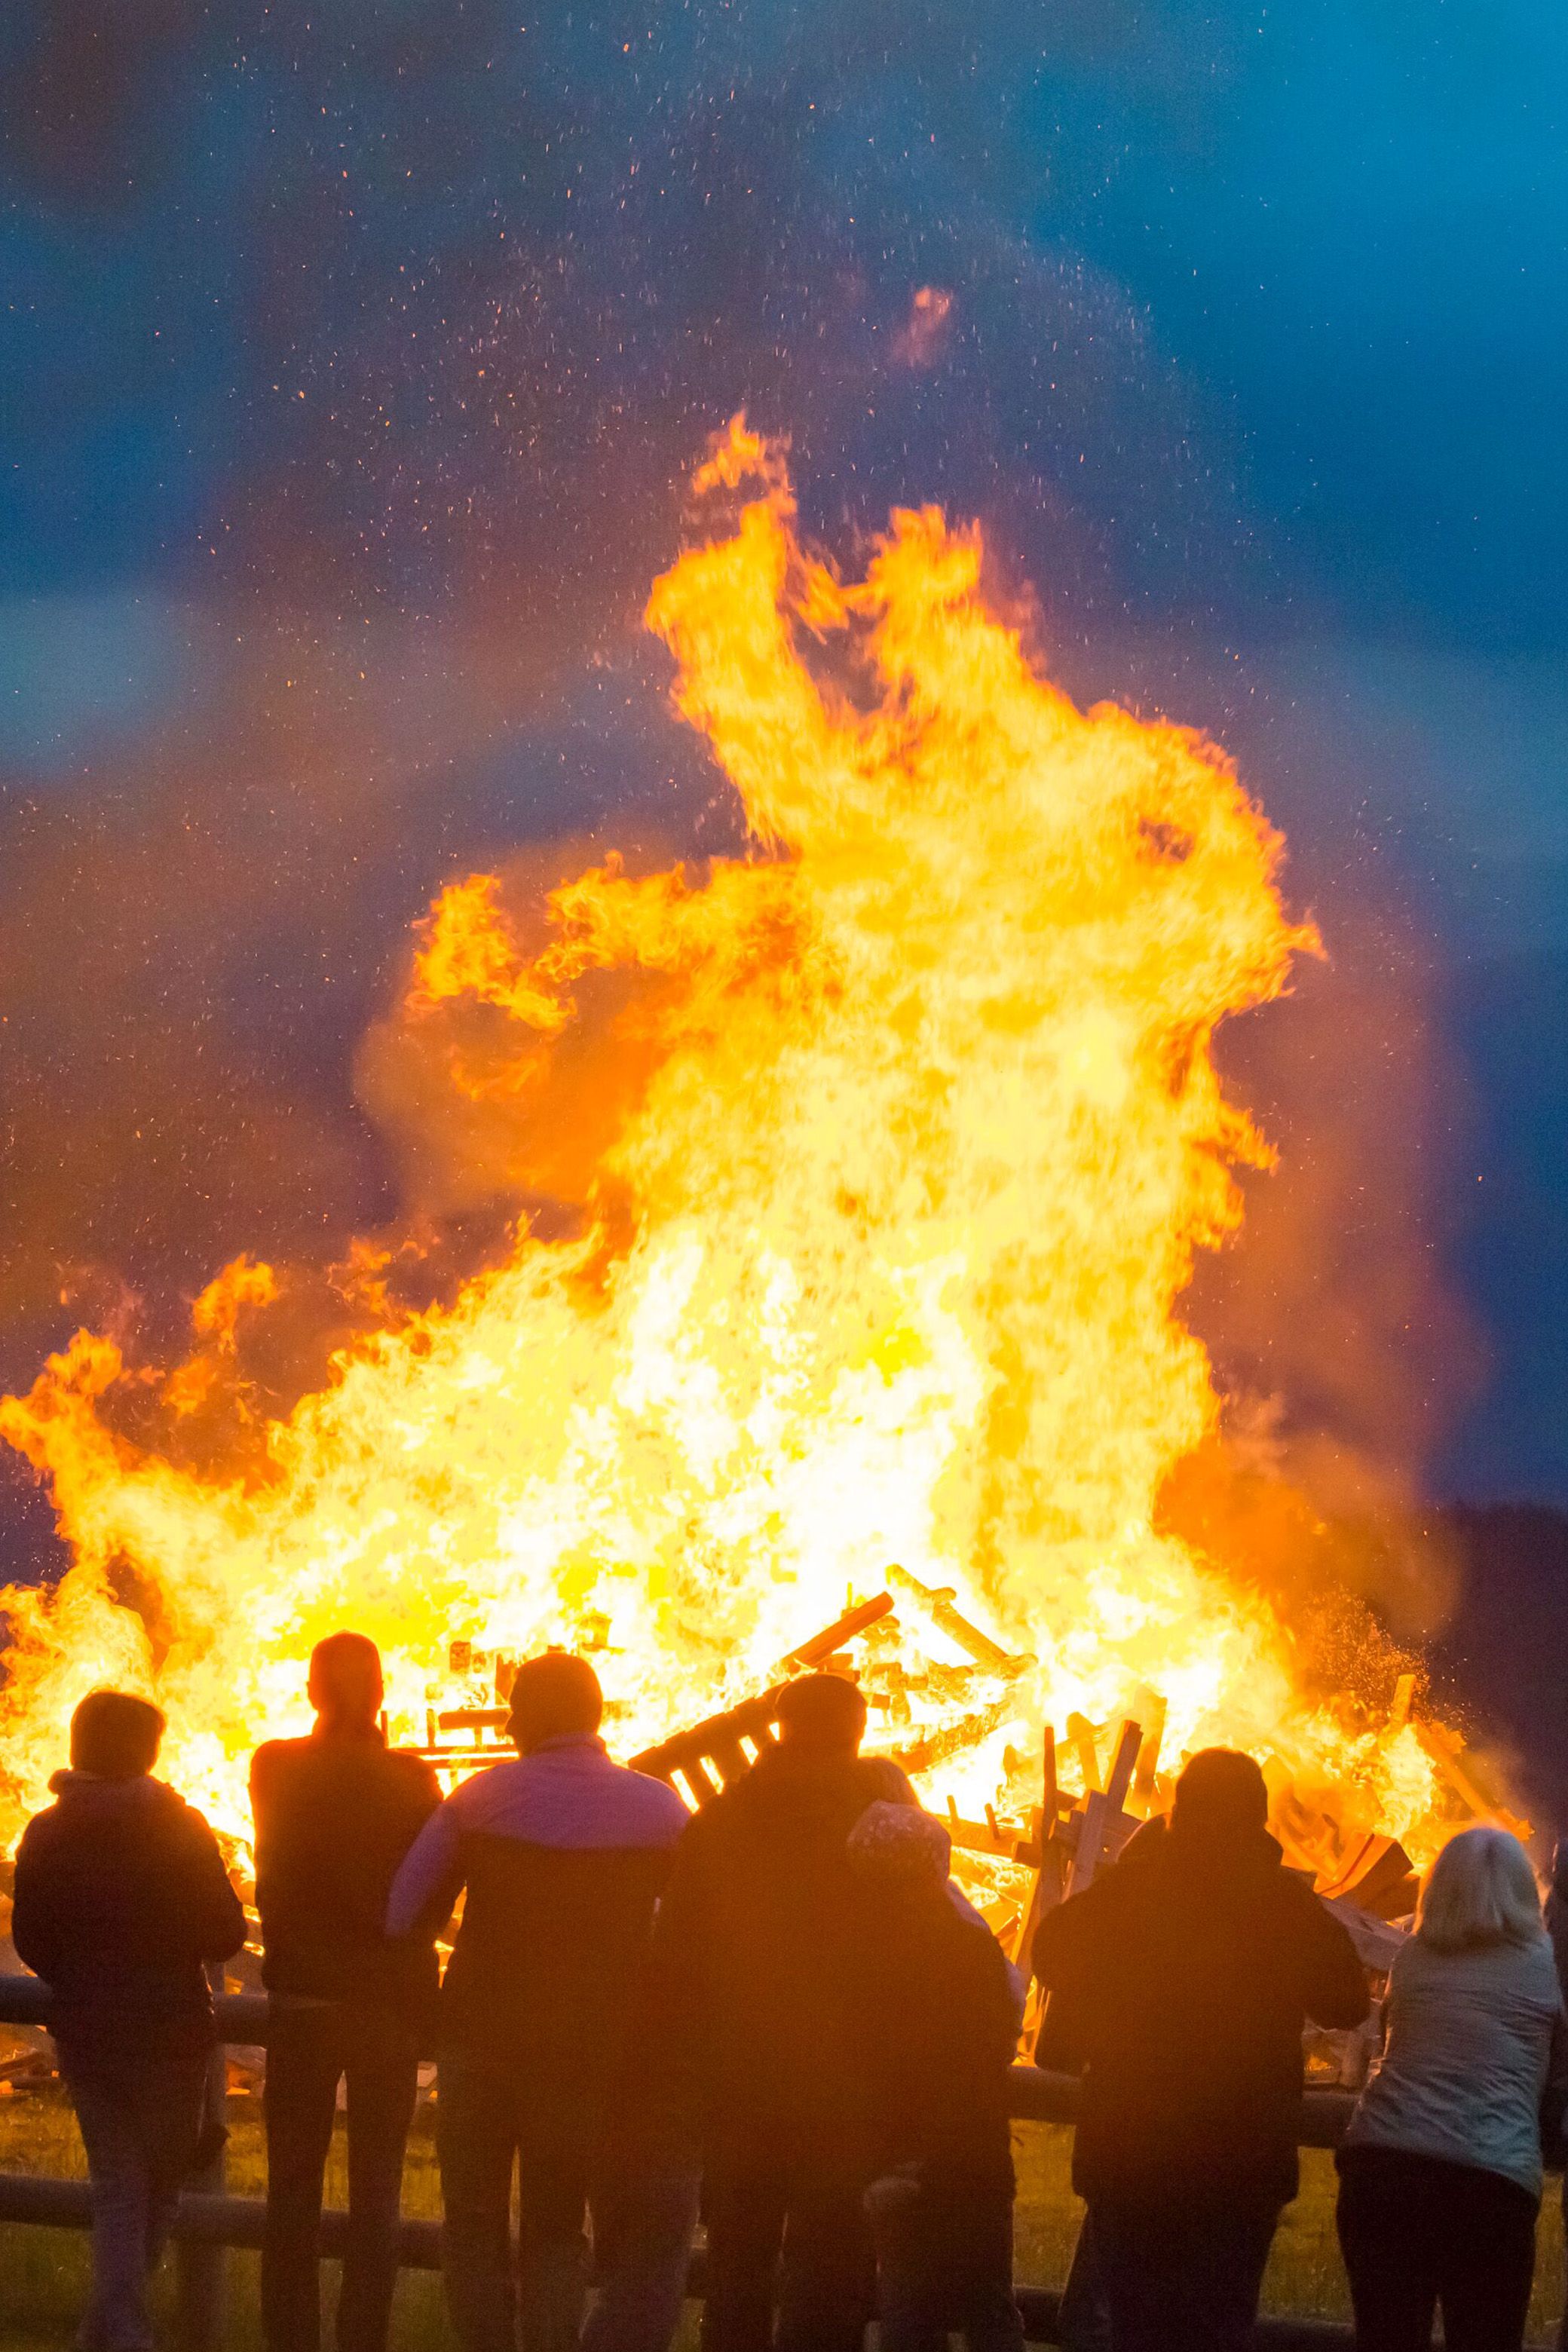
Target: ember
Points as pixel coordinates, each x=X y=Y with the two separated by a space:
x=891 y=1145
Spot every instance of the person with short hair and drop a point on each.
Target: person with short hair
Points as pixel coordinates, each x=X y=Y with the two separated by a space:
x=121 y=1899
x=1183 y=1985
x=764 y=1931
x=940 y=2032
x=1440 y=2171
x=561 y=1857
x=335 y=1813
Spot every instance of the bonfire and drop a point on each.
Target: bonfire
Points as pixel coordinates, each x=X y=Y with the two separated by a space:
x=865 y=1172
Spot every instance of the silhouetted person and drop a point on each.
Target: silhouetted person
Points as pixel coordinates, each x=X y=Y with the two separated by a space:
x=763 y=1929
x=1556 y=1915
x=1183 y=1985
x=122 y=1898
x=941 y=2028
x=1440 y=2171
x=335 y=1813
x=563 y=1855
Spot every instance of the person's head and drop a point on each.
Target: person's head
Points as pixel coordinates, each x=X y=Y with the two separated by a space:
x=115 y=1736
x=346 y=1686
x=822 y=1713
x=556 y=1696
x=1480 y=1890
x=899 y=1846
x=1221 y=1798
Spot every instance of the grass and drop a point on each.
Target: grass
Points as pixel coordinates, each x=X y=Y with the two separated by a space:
x=43 y=2273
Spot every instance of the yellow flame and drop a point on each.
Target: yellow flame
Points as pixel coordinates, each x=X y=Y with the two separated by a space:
x=912 y=1133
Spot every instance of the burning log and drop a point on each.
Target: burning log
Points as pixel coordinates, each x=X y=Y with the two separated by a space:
x=1378 y=1879
x=938 y=1601
x=952 y=1738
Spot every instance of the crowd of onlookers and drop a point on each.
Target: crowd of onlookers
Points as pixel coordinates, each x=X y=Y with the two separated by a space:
x=781 y=2016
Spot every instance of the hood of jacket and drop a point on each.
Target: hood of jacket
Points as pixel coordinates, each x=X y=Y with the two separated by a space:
x=90 y=1792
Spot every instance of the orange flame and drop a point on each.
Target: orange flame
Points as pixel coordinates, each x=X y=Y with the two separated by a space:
x=915 y=1134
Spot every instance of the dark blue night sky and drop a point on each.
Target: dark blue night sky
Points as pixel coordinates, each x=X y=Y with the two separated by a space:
x=354 y=357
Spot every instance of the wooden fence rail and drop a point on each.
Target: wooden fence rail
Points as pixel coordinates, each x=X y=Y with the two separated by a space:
x=209 y=2222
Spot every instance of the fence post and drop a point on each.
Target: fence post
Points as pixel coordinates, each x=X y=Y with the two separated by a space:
x=202 y=2271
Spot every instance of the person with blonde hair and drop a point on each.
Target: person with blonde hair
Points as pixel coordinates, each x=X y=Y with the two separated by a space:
x=1440 y=2171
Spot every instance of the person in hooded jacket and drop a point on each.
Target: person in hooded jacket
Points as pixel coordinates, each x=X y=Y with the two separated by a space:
x=940 y=2032
x=560 y=1858
x=1185 y=1984
x=762 y=1930
x=122 y=1898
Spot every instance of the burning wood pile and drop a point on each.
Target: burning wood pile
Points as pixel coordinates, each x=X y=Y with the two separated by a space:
x=1016 y=1867
x=877 y=1160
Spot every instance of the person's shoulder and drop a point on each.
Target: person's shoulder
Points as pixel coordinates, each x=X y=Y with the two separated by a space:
x=639 y=1810
x=1296 y=1895
x=39 y=1832
x=1533 y=1967
x=481 y=1793
x=969 y=1936
x=709 y=1830
x=176 y=1826
x=1084 y=1912
x=655 y=1797
x=884 y=1781
x=274 y=1760
x=414 y=1774
x=180 y=1813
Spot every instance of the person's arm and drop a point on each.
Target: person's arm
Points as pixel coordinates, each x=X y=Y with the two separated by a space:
x=1334 y=1988
x=1054 y=1955
x=1557 y=2064
x=1017 y=1979
x=263 y=1792
x=217 y=1914
x=1058 y=1959
x=429 y=1877
x=35 y=1922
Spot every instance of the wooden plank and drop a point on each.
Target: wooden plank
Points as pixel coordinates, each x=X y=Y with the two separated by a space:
x=1081 y=1733
x=731 y=1758
x=1152 y=1715
x=1045 y=1889
x=1103 y=1831
x=858 y=1619
x=698 y=1780
x=1128 y=1740
x=940 y=1604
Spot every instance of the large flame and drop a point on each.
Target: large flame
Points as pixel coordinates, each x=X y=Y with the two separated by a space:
x=902 y=1132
